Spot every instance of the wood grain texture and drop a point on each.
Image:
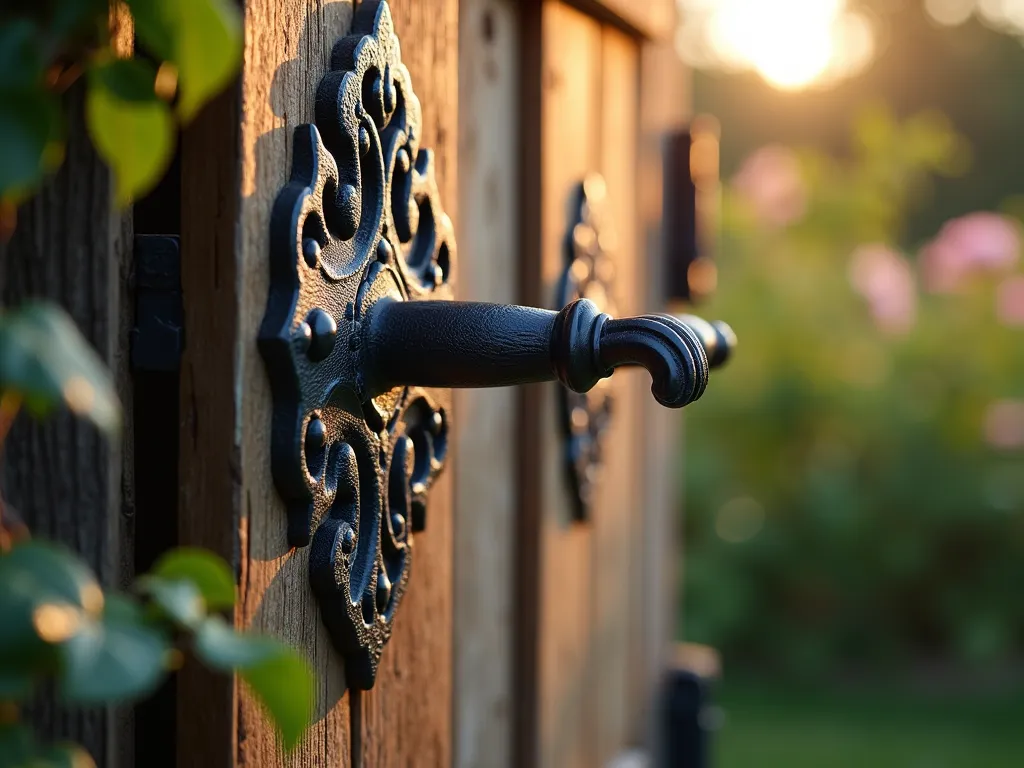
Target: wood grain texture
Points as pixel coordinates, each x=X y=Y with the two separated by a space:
x=287 y=50
x=618 y=512
x=208 y=465
x=529 y=510
x=485 y=498
x=406 y=720
x=236 y=157
x=571 y=116
x=73 y=247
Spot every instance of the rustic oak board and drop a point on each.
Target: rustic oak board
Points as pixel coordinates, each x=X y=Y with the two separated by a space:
x=485 y=494
x=235 y=160
x=406 y=720
x=619 y=511
x=570 y=149
x=651 y=19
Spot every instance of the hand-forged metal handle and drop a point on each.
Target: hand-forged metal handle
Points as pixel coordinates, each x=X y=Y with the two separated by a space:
x=718 y=338
x=471 y=344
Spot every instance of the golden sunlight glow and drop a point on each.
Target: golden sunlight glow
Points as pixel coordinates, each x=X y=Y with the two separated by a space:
x=792 y=44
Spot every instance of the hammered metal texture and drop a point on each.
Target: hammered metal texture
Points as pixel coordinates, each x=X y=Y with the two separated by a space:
x=359 y=220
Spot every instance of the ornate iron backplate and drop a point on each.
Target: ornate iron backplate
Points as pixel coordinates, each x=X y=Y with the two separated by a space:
x=589 y=274
x=359 y=220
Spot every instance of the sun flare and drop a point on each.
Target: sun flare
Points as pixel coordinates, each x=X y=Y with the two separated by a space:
x=792 y=44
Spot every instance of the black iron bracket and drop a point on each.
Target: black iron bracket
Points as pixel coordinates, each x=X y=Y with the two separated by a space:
x=362 y=339
x=158 y=337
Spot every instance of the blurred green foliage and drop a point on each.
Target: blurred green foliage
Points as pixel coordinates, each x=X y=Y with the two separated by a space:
x=843 y=507
x=190 y=50
x=768 y=726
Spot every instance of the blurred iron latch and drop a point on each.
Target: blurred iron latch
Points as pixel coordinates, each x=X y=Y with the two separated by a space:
x=159 y=335
x=691 y=210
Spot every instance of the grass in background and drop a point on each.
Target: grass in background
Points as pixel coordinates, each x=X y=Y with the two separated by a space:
x=766 y=726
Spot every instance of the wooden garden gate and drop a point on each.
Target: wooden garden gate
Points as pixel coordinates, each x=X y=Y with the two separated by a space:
x=536 y=618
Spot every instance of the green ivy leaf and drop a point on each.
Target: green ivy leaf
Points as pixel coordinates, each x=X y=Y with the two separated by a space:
x=30 y=139
x=55 y=573
x=21 y=61
x=16 y=684
x=202 y=38
x=279 y=677
x=77 y=16
x=209 y=50
x=180 y=600
x=45 y=358
x=155 y=26
x=18 y=749
x=17 y=745
x=119 y=609
x=46 y=591
x=126 y=79
x=113 y=661
x=132 y=129
x=284 y=685
x=221 y=647
x=211 y=575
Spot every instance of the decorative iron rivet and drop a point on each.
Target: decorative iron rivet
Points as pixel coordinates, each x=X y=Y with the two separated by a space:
x=384 y=251
x=310 y=251
x=390 y=94
x=403 y=161
x=364 y=141
x=348 y=219
x=348 y=538
x=436 y=423
x=303 y=337
x=383 y=590
x=398 y=525
x=324 y=332
x=316 y=435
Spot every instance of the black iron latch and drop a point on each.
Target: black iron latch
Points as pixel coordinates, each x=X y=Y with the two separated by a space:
x=159 y=334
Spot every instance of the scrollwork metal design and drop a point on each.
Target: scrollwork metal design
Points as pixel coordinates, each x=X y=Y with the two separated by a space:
x=359 y=220
x=589 y=274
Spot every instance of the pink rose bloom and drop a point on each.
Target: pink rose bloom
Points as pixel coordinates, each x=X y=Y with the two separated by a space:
x=886 y=281
x=1010 y=301
x=1004 y=424
x=771 y=182
x=972 y=244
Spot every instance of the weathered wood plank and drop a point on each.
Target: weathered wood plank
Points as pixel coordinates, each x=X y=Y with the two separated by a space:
x=288 y=47
x=485 y=496
x=72 y=246
x=406 y=720
x=618 y=511
x=652 y=19
x=236 y=158
x=570 y=149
